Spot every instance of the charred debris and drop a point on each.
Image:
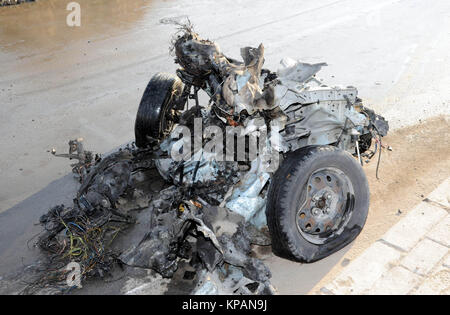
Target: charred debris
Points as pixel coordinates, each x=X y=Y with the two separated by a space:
x=187 y=223
x=211 y=212
x=13 y=2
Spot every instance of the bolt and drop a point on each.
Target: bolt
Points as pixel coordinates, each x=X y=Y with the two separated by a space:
x=316 y=211
x=329 y=196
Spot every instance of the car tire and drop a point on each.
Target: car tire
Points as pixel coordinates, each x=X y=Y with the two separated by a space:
x=323 y=187
x=152 y=119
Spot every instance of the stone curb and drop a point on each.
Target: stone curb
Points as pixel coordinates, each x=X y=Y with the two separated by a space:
x=411 y=258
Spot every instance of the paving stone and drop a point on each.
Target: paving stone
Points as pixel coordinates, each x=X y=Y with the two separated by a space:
x=413 y=257
x=446 y=262
x=442 y=194
x=441 y=232
x=396 y=281
x=406 y=233
x=424 y=257
x=364 y=271
x=443 y=264
x=438 y=283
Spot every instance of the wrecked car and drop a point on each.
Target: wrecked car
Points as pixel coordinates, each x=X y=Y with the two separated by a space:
x=270 y=158
x=316 y=198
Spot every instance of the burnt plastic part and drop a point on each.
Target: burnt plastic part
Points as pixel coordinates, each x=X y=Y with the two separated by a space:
x=287 y=194
x=160 y=247
x=116 y=168
x=237 y=253
x=208 y=255
x=379 y=122
x=365 y=141
x=381 y=125
x=154 y=118
x=194 y=54
x=213 y=242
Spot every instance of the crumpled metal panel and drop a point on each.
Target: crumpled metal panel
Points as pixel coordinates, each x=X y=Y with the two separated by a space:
x=245 y=197
x=297 y=72
x=242 y=87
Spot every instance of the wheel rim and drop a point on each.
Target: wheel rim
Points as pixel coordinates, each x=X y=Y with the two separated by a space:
x=328 y=201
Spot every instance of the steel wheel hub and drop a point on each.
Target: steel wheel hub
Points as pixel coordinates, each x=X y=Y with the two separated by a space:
x=327 y=204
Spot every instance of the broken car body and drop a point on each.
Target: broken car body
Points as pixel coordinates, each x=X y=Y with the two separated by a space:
x=293 y=178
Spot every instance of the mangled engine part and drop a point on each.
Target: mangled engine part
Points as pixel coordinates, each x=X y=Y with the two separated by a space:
x=83 y=232
x=212 y=239
x=236 y=186
x=318 y=114
x=238 y=87
x=110 y=179
x=198 y=56
x=162 y=245
x=301 y=108
x=246 y=197
x=242 y=89
x=304 y=120
x=200 y=168
x=86 y=159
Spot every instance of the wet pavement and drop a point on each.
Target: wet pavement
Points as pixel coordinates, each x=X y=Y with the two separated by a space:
x=59 y=83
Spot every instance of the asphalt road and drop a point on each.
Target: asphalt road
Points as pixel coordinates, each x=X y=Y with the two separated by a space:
x=59 y=82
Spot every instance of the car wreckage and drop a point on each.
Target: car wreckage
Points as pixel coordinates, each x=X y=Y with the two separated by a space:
x=274 y=158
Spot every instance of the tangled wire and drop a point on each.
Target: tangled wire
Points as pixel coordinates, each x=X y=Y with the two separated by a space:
x=83 y=234
x=72 y=236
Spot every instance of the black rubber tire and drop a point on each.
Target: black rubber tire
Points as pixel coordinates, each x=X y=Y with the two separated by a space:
x=284 y=196
x=161 y=93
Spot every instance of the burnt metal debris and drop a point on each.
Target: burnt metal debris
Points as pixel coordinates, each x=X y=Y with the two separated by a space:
x=216 y=241
x=211 y=211
x=13 y=2
x=83 y=232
